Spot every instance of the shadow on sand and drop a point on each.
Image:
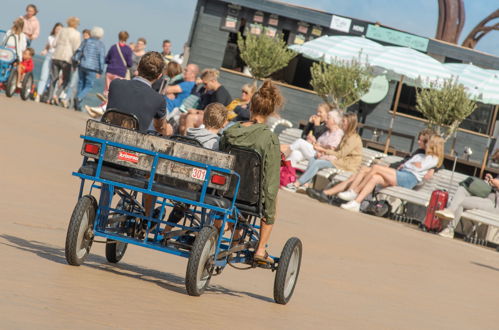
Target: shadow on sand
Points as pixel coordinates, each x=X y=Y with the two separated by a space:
x=485 y=266
x=168 y=281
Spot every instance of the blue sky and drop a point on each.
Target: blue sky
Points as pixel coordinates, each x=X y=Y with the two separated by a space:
x=171 y=19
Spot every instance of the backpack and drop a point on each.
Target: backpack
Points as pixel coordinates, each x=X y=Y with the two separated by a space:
x=288 y=172
x=379 y=208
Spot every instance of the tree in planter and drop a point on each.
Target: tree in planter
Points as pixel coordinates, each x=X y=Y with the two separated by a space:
x=263 y=54
x=445 y=106
x=341 y=83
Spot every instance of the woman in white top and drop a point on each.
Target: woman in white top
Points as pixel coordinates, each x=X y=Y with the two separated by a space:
x=16 y=39
x=407 y=176
x=47 y=51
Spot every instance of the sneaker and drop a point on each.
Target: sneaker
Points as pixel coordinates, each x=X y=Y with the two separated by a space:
x=445 y=214
x=351 y=206
x=447 y=233
x=290 y=187
x=101 y=97
x=65 y=103
x=348 y=195
x=301 y=190
x=94 y=112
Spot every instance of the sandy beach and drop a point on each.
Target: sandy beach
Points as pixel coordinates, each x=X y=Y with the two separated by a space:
x=358 y=271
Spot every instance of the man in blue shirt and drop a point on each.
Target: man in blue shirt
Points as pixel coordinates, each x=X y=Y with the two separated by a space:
x=176 y=94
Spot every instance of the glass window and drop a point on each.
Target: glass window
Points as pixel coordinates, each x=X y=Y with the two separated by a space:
x=478 y=121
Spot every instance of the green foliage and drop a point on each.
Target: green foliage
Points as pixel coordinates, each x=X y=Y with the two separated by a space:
x=264 y=55
x=445 y=106
x=341 y=83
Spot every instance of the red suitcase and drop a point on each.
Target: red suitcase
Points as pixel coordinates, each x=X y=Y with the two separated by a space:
x=438 y=201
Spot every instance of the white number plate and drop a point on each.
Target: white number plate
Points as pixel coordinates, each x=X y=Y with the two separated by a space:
x=198 y=174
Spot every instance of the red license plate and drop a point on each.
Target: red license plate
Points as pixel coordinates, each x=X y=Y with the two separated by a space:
x=128 y=157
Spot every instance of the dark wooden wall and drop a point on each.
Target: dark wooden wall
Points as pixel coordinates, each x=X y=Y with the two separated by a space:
x=208 y=44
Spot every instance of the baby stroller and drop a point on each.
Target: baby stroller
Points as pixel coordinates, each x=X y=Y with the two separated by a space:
x=8 y=72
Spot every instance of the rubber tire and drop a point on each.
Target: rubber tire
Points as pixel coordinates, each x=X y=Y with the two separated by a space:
x=115 y=250
x=27 y=86
x=11 y=82
x=206 y=235
x=86 y=204
x=282 y=269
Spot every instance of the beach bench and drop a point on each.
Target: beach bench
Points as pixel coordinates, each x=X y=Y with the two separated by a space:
x=479 y=218
x=289 y=135
x=421 y=194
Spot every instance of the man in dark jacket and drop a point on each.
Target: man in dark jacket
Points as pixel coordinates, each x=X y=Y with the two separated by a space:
x=136 y=96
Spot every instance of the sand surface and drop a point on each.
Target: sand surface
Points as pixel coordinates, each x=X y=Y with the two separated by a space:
x=358 y=272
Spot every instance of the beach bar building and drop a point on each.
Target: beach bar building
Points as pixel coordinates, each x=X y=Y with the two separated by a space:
x=213 y=44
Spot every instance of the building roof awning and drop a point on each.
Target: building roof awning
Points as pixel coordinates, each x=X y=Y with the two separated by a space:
x=417 y=68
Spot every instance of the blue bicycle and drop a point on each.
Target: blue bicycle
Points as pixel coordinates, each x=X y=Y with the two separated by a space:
x=212 y=200
x=8 y=72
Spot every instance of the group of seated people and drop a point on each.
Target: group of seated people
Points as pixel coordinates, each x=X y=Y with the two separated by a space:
x=323 y=151
x=205 y=123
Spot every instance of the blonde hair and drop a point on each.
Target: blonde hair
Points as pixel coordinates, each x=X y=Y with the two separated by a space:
x=426 y=134
x=351 y=125
x=210 y=74
x=73 y=22
x=17 y=26
x=435 y=147
x=215 y=115
x=249 y=88
x=266 y=100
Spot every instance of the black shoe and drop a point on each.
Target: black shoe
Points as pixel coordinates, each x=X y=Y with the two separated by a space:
x=323 y=198
x=77 y=104
x=313 y=193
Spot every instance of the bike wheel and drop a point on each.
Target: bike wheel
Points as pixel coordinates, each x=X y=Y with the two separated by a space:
x=115 y=250
x=79 y=237
x=287 y=271
x=11 y=83
x=27 y=86
x=199 y=268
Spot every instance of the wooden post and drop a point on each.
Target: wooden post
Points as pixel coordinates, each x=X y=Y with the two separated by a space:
x=394 y=111
x=489 y=141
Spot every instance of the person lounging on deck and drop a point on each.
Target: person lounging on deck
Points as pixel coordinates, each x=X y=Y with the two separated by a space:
x=408 y=176
x=348 y=157
x=349 y=189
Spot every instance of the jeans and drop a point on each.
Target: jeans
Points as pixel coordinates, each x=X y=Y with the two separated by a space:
x=314 y=166
x=72 y=86
x=463 y=200
x=85 y=82
x=56 y=67
x=300 y=149
x=44 y=75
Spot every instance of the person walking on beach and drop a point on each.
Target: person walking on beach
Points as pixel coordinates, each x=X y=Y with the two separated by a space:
x=31 y=24
x=67 y=42
x=68 y=95
x=47 y=52
x=91 y=65
x=118 y=60
x=15 y=38
x=139 y=50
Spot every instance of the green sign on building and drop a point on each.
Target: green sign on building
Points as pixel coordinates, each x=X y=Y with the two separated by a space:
x=397 y=37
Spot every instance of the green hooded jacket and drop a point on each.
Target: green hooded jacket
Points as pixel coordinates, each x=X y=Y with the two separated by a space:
x=259 y=138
